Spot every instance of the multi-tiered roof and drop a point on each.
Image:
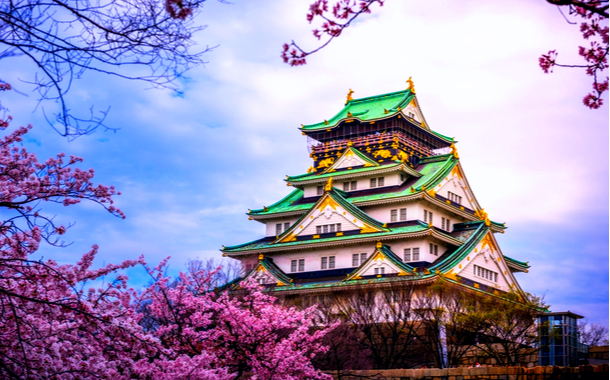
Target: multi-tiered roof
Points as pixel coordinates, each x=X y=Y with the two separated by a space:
x=376 y=157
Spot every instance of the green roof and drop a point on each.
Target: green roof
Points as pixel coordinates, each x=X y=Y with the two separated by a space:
x=310 y=176
x=265 y=243
x=337 y=196
x=523 y=264
x=369 y=109
x=433 y=171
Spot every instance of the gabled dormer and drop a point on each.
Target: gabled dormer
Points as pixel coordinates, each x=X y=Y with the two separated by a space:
x=350 y=158
x=332 y=213
x=382 y=262
x=267 y=273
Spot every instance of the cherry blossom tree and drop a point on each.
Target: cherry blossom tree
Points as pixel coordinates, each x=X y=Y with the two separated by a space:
x=227 y=334
x=66 y=321
x=335 y=16
x=51 y=326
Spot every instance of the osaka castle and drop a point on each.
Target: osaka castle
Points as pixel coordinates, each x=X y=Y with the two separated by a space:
x=386 y=199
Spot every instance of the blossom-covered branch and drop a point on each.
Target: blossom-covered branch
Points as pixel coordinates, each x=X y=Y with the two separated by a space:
x=339 y=17
x=594 y=29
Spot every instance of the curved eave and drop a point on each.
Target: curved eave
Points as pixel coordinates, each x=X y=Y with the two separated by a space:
x=395 y=113
x=346 y=240
x=404 y=268
x=293 y=194
x=516 y=265
x=495 y=226
x=446 y=265
x=401 y=97
x=321 y=178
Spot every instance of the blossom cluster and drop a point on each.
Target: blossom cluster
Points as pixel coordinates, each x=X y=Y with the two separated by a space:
x=594 y=29
x=333 y=21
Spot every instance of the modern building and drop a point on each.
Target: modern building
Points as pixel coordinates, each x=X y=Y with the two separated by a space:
x=386 y=199
x=559 y=339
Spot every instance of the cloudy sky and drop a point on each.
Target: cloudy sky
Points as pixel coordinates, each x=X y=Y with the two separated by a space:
x=190 y=166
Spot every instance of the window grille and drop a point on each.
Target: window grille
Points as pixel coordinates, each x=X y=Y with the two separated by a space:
x=393 y=215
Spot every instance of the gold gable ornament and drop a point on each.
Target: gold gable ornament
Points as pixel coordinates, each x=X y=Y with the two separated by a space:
x=454 y=151
x=260 y=257
x=378 y=245
x=329 y=184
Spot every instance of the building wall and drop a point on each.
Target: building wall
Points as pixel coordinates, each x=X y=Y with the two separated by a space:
x=363 y=183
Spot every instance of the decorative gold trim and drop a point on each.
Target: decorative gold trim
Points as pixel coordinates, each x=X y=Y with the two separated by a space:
x=349 y=96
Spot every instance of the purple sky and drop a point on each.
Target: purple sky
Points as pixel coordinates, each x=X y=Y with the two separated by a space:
x=189 y=167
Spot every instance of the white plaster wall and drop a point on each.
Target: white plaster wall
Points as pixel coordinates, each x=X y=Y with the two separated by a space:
x=415 y=211
x=270 y=225
x=364 y=183
x=346 y=225
x=311 y=191
x=457 y=186
x=398 y=247
x=379 y=263
x=486 y=258
x=343 y=257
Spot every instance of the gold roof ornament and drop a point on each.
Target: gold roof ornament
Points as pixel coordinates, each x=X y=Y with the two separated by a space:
x=350 y=143
x=349 y=96
x=329 y=184
x=411 y=85
x=260 y=256
x=310 y=170
x=379 y=245
x=454 y=151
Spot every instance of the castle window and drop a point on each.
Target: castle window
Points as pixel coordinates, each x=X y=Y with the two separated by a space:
x=286 y=226
x=446 y=224
x=415 y=254
x=328 y=228
x=485 y=273
x=380 y=270
x=433 y=249
x=393 y=215
x=454 y=197
x=362 y=257
x=403 y=214
x=407 y=256
x=377 y=182
x=358 y=259
x=320 y=190
x=278 y=228
x=297 y=265
x=347 y=186
x=428 y=217
x=324 y=263
x=331 y=262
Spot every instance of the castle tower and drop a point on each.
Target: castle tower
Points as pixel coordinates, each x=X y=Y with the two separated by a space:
x=386 y=199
